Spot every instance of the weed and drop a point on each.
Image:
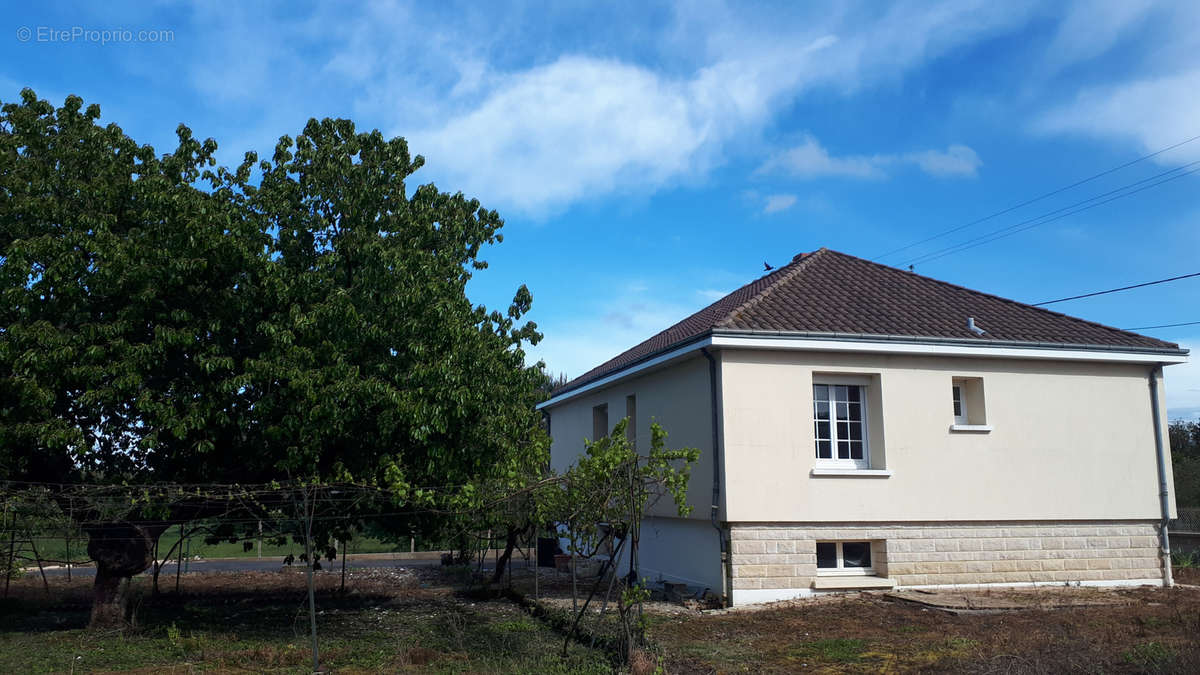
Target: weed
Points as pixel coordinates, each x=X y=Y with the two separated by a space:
x=1149 y=655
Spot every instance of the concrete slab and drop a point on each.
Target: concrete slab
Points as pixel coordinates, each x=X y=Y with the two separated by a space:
x=990 y=601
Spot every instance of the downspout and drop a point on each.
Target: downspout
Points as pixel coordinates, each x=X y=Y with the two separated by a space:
x=716 y=484
x=1164 y=495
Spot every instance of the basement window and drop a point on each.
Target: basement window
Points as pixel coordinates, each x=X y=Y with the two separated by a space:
x=844 y=557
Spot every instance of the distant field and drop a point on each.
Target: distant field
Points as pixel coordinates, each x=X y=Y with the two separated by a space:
x=56 y=549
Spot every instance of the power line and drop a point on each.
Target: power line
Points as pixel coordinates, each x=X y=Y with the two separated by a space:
x=1036 y=199
x=1058 y=214
x=1165 y=325
x=1123 y=288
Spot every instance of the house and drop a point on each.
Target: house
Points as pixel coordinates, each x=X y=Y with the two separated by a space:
x=863 y=427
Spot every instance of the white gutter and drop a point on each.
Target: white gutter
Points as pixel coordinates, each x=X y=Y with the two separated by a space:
x=888 y=344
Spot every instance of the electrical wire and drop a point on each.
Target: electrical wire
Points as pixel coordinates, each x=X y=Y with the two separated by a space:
x=1036 y=199
x=1123 y=288
x=1165 y=325
x=1058 y=214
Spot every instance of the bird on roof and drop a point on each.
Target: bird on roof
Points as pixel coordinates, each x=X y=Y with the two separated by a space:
x=768 y=267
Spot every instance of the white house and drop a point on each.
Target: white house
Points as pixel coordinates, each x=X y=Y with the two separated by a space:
x=865 y=427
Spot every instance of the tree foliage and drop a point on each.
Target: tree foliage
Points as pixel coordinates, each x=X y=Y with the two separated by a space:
x=302 y=318
x=165 y=319
x=601 y=501
x=1185 y=462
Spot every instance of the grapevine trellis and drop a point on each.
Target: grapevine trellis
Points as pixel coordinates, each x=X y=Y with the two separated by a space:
x=597 y=504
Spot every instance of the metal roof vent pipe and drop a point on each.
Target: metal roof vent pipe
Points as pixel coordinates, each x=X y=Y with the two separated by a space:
x=973 y=328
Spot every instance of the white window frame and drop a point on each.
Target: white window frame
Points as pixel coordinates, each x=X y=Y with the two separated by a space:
x=957 y=398
x=863 y=383
x=841 y=570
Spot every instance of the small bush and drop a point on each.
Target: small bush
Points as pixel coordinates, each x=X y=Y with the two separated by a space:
x=1185 y=560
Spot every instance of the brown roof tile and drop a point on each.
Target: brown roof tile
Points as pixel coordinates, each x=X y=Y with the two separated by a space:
x=827 y=292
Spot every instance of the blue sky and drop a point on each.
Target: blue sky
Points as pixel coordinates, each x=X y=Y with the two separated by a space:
x=648 y=157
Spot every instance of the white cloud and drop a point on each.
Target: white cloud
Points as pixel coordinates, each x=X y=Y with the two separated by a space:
x=811 y=160
x=1182 y=381
x=1154 y=112
x=777 y=203
x=579 y=126
x=585 y=123
x=1091 y=28
x=956 y=160
x=711 y=294
x=579 y=343
x=532 y=118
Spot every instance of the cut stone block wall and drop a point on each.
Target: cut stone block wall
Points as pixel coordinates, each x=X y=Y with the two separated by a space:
x=784 y=555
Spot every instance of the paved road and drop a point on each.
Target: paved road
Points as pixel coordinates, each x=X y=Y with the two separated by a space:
x=254 y=565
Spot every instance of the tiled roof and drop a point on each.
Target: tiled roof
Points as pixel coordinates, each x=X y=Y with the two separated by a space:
x=826 y=292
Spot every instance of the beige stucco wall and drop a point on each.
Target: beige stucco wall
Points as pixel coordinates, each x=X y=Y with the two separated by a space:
x=677 y=397
x=1070 y=440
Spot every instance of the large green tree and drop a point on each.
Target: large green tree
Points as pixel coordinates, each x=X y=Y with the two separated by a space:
x=1185 y=462
x=302 y=318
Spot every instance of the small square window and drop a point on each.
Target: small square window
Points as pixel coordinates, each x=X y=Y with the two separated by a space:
x=856 y=554
x=966 y=395
x=599 y=421
x=826 y=555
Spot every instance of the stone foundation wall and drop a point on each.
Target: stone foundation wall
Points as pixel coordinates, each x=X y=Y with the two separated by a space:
x=784 y=556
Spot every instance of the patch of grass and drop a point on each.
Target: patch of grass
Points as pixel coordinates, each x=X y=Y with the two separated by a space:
x=836 y=650
x=961 y=643
x=1149 y=655
x=519 y=626
x=1151 y=622
x=1188 y=560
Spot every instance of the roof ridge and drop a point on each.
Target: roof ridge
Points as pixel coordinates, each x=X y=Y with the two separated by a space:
x=797 y=265
x=993 y=296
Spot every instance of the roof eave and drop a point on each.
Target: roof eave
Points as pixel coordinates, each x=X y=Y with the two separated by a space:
x=968 y=342
x=963 y=347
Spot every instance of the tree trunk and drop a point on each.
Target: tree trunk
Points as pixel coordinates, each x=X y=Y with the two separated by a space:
x=120 y=550
x=510 y=542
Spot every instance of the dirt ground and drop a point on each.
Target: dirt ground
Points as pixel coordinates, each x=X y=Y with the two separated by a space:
x=1128 y=630
x=421 y=620
x=1189 y=575
x=388 y=620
